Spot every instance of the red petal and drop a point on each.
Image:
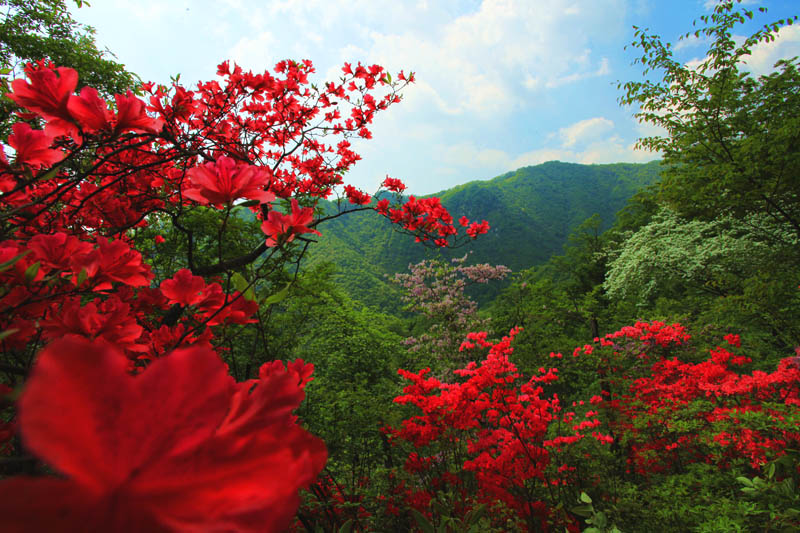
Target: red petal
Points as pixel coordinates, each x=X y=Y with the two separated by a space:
x=49 y=504
x=108 y=423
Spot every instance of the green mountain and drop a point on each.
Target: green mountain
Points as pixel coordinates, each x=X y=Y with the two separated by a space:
x=531 y=212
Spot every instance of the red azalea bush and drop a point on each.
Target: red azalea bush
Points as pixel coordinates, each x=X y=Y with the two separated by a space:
x=129 y=401
x=496 y=438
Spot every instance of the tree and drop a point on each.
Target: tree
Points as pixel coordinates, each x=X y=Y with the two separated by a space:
x=31 y=30
x=436 y=290
x=672 y=254
x=733 y=140
x=81 y=200
x=725 y=272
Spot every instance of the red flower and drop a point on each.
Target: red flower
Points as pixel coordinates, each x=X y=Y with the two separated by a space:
x=393 y=184
x=57 y=250
x=183 y=288
x=180 y=447
x=733 y=340
x=113 y=261
x=476 y=229
x=354 y=196
x=90 y=110
x=221 y=182
x=33 y=147
x=131 y=116
x=278 y=224
x=47 y=93
x=109 y=321
x=382 y=206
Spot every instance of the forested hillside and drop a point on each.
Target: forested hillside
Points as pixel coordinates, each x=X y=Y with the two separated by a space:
x=532 y=211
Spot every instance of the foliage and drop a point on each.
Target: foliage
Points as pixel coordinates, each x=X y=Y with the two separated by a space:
x=654 y=428
x=672 y=254
x=44 y=29
x=548 y=202
x=732 y=139
x=435 y=290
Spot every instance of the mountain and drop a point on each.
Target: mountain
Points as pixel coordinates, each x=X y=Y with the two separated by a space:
x=531 y=211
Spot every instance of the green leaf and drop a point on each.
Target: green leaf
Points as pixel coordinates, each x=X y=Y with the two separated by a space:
x=31 y=271
x=744 y=481
x=583 y=510
x=347 y=527
x=239 y=283
x=82 y=275
x=8 y=264
x=771 y=471
x=585 y=498
x=278 y=296
x=423 y=523
x=475 y=515
x=8 y=332
x=600 y=520
x=439 y=508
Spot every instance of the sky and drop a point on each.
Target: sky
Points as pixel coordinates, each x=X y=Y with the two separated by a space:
x=500 y=84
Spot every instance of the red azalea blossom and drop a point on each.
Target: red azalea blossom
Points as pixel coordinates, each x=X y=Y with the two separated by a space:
x=90 y=110
x=354 y=196
x=131 y=116
x=393 y=184
x=476 y=229
x=278 y=224
x=221 y=182
x=382 y=206
x=183 y=288
x=219 y=456
x=33 y=147
x=109 y=321
x=113 y=261
x=48 y=92
x=58 y=250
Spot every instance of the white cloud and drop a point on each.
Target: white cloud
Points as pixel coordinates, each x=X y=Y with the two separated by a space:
x=711 y=4
x=611 y=150
x=589 y=141
x=584 y=130
x=254 y=53
x=485 y=158
x=690 y=42
x=489 y=60
x=602 y=70
x=764 y=55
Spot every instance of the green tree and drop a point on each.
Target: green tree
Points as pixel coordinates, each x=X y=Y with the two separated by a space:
x=733 y=139
x=31 y=30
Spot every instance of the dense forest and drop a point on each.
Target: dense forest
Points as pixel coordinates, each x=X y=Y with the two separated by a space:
x=205 y=328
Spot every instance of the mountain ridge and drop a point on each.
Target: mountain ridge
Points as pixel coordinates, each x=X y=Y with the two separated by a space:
x=531 y=211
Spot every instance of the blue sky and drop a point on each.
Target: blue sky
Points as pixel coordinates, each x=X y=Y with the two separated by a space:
x=501 y=84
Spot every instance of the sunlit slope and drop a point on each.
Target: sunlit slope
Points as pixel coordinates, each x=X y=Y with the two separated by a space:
x=531 y=211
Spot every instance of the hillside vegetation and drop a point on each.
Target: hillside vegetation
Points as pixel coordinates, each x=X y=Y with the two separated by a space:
x=532 y=211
